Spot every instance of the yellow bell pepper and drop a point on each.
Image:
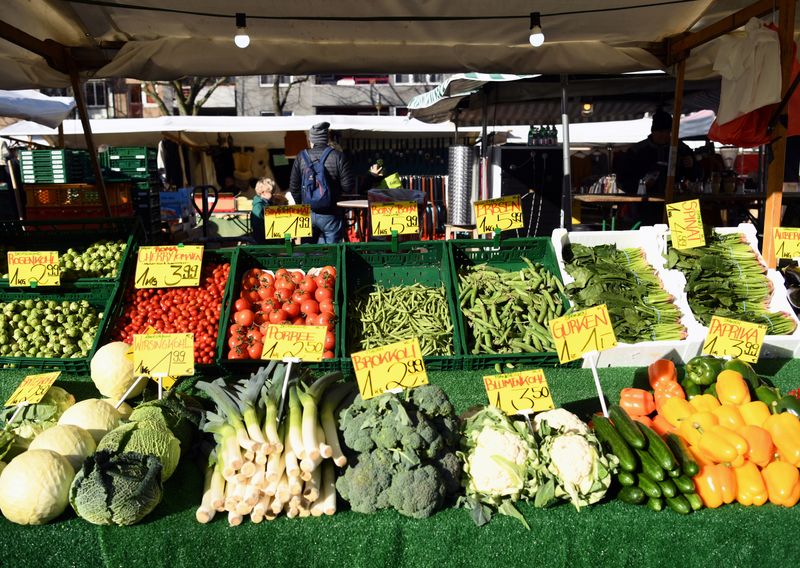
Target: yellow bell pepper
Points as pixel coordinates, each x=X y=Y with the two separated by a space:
x=785 y=431
x=761 y=449
x=700 y=456
x=754 y=413
x=729 y=416
x=691 y=429
x=750 y=486
x=675 y=410
x=783 y=483
x=704 y=403
x=723 y=445
x=732 y=388
x=715 y=484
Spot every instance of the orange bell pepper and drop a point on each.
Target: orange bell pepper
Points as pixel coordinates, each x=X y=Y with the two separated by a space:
x=783 y=483
x=729 y=416
x=750 y=486
x=785 y=431
x=692 y=429
x=700 y=456
x=754 y=413
x=761 y=449
x=665 y=391
x=636 y=402
x=704 y=403
x=662 y=370
x=661 y=426
x=716 y=484
x=723 y=444
x=643 y=420
x=675 y=410
x=732 y=388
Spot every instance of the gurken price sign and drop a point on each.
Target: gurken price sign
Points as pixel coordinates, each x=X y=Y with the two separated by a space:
x=169 y=266
x=582 y=332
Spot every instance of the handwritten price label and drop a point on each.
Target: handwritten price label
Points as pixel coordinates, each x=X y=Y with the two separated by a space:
x=294 y=220
x=33 y=388
x=400 y=216
x=394 y=366
x=734 y=338
x=686 y=224
x=526 y=391
x=304 y=342
x=33 y=268
x=503 y=213
x=169 y=266
x=166 y=382
x=579 y=333
x=163 y=354
x=787 y=242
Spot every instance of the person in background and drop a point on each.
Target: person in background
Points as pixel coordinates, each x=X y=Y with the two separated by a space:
x=326 y=224
x=266 y=195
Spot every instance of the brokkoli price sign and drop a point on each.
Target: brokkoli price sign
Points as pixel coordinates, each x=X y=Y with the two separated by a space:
x=582 y=332
x=686 y=224
x=169 y=266
x=395 y=366
x=400 y=216
x=787 y=242
x=33 y=269
x=734 y=338
x=503 y=213
x=513 y=393
x=163 y=354
x=292 y=220
x=32 y=389
x=304 y=342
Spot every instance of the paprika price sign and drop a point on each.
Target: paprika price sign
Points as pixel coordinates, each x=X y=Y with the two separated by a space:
x=400 y=216
x=32 y=389
x=581 y=332
x=167 y=382
x=33 y=268
x=503 y=213
x=169 y=266
x=398 y=365
x=734 y=338
x=304 y=342
x=787 y=242
x=525 y=391
x=294 y=220
x=686 y=224
x=163 y=354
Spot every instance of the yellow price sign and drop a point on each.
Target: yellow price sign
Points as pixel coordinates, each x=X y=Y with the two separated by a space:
x=294 y=220
x=33 y=388
x=582 y=332
x=525 y=391
x=734 y=338
x=33 y=268
x=163 y=355
x=787 y=242
x=395 y=366
x=503 y=213
x=400 y=216
x=169 y=266
x=166 y=382
x=686 y=224
x=304 y=342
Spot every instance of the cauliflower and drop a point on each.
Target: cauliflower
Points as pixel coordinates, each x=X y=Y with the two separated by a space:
x=560 y=419
x=573 y=459
x=494 y=476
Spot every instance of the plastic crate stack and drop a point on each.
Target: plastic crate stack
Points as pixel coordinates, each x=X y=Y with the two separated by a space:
x=54 y=166
x=138 y=166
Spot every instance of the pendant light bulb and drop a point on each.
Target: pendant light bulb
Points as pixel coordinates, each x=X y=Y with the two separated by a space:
x=241 y=39
x=537 y=35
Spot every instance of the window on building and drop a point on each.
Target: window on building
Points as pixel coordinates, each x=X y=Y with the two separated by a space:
x=95 y=92
x=269 y=80
x=417 y=78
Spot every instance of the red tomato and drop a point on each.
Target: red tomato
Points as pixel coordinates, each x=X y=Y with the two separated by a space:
x=270 y=304
x=283 y=294
x=299 y=320
x=251 y=296
x=297 y=277
x=330 y=341
x=301 y=297
x=254 y=350
x=322 y=294
x=237 y=353
x=235 y=341
x=266 y=292
x=237 y=329
x=327 y=320
x=308 y=285
x=254 y=335
x=241 y=304
x=291 y=308
x=328 y=355
x=277 y=316
x=309 y=307
x=281 y=272
x=326 y=306
x=244 y=317
x=311 y=319
x=266 y=279
x=321 y=282
x=328 y=272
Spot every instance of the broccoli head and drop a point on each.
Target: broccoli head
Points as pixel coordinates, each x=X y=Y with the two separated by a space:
x=417 y=492
x=365 y=485
x=433 y=443
x=431 y=400
x=449 y=466
x=355 y=426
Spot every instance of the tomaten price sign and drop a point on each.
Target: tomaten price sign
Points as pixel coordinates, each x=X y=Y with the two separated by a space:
x=526 y=391
x=400 y=216
x=734 y=338
x=292 y=220
x=579 y=333
x=169 y=266
x=304 y=342
x=787 y=242
x=33 y=269
x=163 y=354
x=32 y=389
x=504 y=213
x=686 y=224
x=395 y=366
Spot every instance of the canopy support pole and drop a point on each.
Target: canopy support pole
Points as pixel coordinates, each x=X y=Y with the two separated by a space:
x=61 y=135
x=674 y=139
x=772 y=208
x=566 y=188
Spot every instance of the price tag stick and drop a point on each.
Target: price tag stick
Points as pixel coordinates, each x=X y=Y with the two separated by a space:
x=160 y=380
x=527 y=415
x=289 y=362
x=592 y=356
x=18 y=411
x=139 y=379
x=395 y=242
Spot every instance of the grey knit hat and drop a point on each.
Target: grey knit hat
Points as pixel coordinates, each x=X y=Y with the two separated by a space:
x=318 y=135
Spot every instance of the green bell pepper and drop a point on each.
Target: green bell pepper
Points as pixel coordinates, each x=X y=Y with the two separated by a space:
x=691 y=389
x=712 y=390
x=703 y=370
x=769 y=396
x=788 y=403
x=744 y=369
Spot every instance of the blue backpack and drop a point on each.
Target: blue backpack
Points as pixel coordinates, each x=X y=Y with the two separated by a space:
x=315 y=190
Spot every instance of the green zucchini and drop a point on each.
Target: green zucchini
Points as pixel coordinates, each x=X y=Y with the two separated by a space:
x=657 y=448
x=655 y=504
x=650 y=467
x=688 y=465
x=632 y=495
x=679 y=504
x=650 y=487
x=608 y=434
x=627 y=428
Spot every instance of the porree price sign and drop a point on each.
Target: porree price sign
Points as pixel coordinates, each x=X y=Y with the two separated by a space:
x=163 y=354
x=686 y=224
x=787 y=242
x=292 y=220
x=32 y=389
x=521 y=392
x=166 y=382
x=734 y=338
x=400 y=216
x=169 y=266
x=395 y=366
x=503 y=213
x=304 y=342
x=38 y=268
x=582 y=332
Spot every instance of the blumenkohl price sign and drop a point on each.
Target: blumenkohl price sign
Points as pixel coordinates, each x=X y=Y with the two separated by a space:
x=734 y=338
x=686 y=224
x=582 y=332
x=787 y=242
x=400 y=216
x=395 y=366
x=163 y=355
x=32 y=389
x=521 y=392
x=304 y=342
x=33 y=268
x=503 y=213
x=169 y=266
x=292 y=220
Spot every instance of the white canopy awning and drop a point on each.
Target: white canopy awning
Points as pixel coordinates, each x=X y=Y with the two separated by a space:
x=34 y=106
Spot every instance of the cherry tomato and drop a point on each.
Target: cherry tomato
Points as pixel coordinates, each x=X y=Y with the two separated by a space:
x=308 y=285
x=309 y=307
x=254 y=350
x=322 y=294
x=244 y=317
x=326 y=306
x=328 y=355
x=291 y=308
x=330 y=341
x=328 y=320
x=277 y=316
x=242 y=304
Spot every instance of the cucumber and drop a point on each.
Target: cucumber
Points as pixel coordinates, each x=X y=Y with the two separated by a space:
x=627 y=427
x=657 y=448
x=688 y=465
x=608 y=434
x=650 y=487
x=694 y=500
x=655 y=504
x=626 y=478
x=632 y=495
x=679 y=504
x=684 y=484
x=668 y=488
x=650 y=467
x=677 y=472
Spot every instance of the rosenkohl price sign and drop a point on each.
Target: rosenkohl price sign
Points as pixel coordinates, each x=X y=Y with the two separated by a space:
x=395 y=366
x=33 y=269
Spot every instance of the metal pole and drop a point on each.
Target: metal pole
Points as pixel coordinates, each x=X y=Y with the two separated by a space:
x=674 y=142
x=566 y=188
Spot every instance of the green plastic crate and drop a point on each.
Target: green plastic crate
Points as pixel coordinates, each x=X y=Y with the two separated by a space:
x=139 y=152
x=273 y=257
x=508 y=254
x=409 y=262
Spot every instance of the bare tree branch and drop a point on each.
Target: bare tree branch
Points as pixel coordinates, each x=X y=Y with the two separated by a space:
x=150 y=87
x=210 y=89
x=278 y=101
